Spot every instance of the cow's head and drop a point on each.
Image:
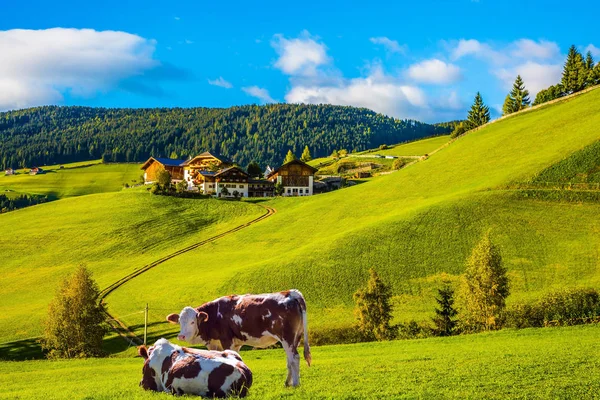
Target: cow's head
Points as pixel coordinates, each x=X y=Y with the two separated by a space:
x=189 y=320
x=153 y=360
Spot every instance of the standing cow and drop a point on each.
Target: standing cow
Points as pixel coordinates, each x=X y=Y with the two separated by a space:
x=180 y=370
x=254 y=320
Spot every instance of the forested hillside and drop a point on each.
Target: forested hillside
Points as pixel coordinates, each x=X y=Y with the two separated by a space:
x=48 y=135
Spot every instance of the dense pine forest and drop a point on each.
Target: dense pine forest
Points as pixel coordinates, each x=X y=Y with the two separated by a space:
x=49 y=135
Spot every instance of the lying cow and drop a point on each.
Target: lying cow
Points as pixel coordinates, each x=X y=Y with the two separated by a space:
x=254 y=320
x=180 y=370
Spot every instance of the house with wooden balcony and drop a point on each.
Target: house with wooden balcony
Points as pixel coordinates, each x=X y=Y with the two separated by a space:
x=296 y=176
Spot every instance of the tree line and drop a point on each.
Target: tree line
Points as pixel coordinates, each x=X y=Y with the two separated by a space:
x=51 y=134
x=24 y=200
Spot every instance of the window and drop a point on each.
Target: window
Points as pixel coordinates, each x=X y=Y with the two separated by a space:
x=289 y=191
x=241 y=186
x=301 y=191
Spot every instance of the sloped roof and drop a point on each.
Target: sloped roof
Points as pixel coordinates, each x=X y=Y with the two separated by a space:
x=296 y=161
x=218 y=156
x=229 y=169
x=169 y=162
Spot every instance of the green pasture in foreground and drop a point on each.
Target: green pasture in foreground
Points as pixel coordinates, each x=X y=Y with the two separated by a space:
x=112 y=234
x=75 y=179
x=417 y=226
x=528 y=364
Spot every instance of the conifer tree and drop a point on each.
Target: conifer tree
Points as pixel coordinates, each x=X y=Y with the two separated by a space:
x=574 y=75
x=519 y=95
x=445 y=316
x=374 y=309
x=508 y=106
x=289 y=157
x=485 y=287
x=306 y=157
x=74 y=327
x=479 y=114
x=589 y=66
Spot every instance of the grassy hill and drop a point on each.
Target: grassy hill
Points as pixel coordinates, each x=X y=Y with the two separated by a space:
x=528 y=364
x=416 y=226
x=75 y=179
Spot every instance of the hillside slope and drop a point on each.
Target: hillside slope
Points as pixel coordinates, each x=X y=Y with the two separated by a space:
x=47 y=135
x=413 y=226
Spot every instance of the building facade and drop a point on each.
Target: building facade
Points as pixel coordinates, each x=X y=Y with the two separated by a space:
x=296 y=177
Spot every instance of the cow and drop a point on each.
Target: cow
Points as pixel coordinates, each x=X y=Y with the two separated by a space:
x=260 y=320
x=181 y=370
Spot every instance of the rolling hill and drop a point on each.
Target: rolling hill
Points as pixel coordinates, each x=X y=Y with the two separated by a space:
x=416 y=227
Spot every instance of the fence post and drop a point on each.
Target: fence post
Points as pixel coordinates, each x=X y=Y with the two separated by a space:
x=145 y=324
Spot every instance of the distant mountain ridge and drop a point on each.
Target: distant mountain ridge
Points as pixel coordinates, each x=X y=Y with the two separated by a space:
x=53 y=134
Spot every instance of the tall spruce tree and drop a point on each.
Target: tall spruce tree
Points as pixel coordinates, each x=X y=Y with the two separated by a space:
x=445 y=316
x=508 y=106
x=520 y=95
x=289 y=157
x=306 y=157
x=574 y=76
x=589 y=67
x=479 y=114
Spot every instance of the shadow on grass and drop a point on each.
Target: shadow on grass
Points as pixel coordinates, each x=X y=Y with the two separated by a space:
x=21 y=350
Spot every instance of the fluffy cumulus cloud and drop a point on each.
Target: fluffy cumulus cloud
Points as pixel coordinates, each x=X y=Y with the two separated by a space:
x=535 y=75
x=38 y=66
x=592 y=49
x=260 y=93
x=472 y=47
x=220 y=82
x=390 y=45
x=299 y=56
x=378 y=92
x=434 y=71
x=527 y=48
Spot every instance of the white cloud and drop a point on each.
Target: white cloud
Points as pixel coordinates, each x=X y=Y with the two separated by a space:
x=592 y=49
x=377 y=92
x=39 y=65
x=528 y=49
x=220 y=82
x=299 y=56
x=260 y=93
x=391 y=45
x=434 y=71
x=535 y=76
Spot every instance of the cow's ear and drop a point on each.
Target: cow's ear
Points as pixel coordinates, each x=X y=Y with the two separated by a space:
x=202 y=316
x=143 y=352
x=173 y=318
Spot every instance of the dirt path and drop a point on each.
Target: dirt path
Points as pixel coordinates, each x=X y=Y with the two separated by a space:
x=119 y=326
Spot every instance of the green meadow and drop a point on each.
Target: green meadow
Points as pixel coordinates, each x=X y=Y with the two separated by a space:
x=416 y=148
x=415 y=226
x=526 y=364
x=75 y=179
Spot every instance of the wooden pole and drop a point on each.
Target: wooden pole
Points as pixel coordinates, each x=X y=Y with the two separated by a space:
x=145 y=324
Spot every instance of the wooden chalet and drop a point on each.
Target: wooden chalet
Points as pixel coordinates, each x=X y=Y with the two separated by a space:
x=260 y=188
x=9 y=171
x=296 y=176
x=155 y=164
x=36 y=171
x=234 y=179
x=194 y=169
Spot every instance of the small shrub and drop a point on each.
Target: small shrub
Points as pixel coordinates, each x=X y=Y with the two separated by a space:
x=163 y=178
x=398 y=163
x=383 y=147
x=74 y=327
x=155 y=189
x=181 y=187
x=413 y=330
x=374 y=309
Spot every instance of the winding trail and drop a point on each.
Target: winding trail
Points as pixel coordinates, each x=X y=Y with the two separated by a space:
x=118 y=325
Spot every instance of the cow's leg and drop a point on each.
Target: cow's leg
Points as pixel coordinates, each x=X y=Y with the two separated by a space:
x=293 y=364
x=214 y=345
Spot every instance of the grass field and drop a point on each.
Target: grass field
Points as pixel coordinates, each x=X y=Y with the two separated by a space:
x=416 y=148
x=112 y=234
x=416 y=226
x=75 y=179
x=529 y=364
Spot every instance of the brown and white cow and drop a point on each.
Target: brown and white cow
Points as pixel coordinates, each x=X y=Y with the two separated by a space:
x=181 y=370
x=254 y=320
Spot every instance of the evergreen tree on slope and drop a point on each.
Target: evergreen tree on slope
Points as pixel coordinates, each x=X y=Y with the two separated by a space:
x=479 y=114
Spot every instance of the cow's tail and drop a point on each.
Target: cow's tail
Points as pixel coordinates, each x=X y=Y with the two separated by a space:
x=298 y=296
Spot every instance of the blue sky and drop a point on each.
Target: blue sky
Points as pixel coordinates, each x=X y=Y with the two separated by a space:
x=419 y=59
